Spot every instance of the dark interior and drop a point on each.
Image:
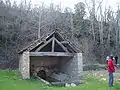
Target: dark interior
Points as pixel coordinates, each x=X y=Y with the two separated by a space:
x=50 y=65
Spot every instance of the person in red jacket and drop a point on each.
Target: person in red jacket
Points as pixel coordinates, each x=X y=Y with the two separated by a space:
x=111 y=70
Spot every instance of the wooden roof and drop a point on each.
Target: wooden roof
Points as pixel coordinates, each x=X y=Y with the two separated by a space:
x=55 y=41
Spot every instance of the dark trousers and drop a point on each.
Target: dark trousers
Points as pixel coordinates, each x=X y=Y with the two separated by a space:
x=116 y=61
x=110 y=82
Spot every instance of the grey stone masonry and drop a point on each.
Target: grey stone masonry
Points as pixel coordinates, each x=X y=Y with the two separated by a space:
x=74 y=68
x=80 y=64
x=24 y=65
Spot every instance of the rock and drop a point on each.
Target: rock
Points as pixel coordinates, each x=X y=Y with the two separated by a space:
x=67 y=85
x=104 y=79
x=118 y=80
x=73 y=85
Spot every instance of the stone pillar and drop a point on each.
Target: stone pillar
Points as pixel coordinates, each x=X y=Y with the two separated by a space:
x=74 y=68
x=77 y=67
x=80 y=64
x=24 y=65
x=20 y=61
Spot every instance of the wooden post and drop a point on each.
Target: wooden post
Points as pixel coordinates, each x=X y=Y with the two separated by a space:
x=53 y=45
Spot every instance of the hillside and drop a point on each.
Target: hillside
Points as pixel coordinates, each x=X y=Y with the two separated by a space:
x=95 y=35
x=10 y=80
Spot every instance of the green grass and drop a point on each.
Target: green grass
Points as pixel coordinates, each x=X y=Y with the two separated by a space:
x=10 y=80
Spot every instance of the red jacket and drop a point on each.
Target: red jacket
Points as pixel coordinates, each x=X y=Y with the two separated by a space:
x=111 y=67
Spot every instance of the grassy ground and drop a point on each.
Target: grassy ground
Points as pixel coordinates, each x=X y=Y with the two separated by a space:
x=10 y=80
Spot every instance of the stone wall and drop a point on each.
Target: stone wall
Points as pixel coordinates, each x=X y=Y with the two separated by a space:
x=74 y=67
x=24 y=63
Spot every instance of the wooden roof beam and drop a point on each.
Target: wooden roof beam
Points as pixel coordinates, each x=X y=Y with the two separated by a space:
x=64 y=48
x=51 y=54
x=64 y=42
x=37 y=50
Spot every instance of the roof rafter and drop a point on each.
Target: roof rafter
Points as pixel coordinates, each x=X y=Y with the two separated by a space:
x=64 y=48
x=38 y=49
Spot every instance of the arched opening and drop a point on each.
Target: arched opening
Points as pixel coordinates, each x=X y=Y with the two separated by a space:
x=42 y=74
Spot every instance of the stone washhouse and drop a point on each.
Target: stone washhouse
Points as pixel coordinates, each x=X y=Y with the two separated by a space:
x=54 y=57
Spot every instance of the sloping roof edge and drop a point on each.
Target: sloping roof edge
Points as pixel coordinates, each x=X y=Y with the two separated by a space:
x=37 y=42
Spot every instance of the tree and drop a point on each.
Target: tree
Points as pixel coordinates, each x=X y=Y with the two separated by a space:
x=78 y=18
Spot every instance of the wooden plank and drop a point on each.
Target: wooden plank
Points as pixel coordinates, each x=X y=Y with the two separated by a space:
x=71 y=50
x=43 y=45
x=25 y=48
x=47 y=38
x=44 y=81
x=64 y=48
x=64 y=42
x=50 y=54
x=55 y=33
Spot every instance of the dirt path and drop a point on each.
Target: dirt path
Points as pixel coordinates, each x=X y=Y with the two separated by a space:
x=103 y=74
